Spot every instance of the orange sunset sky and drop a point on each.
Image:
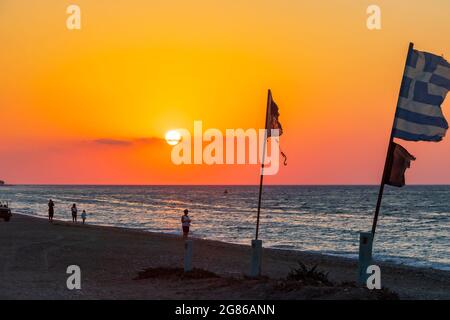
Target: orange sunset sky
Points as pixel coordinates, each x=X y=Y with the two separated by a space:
x=92 y=106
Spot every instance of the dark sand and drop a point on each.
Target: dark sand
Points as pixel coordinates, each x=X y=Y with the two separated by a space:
x=35 y=254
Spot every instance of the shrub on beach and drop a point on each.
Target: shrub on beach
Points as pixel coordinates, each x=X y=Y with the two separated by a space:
x=309 y=276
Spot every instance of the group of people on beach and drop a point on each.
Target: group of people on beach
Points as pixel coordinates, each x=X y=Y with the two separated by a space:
x=185 y=219
x=73 y=209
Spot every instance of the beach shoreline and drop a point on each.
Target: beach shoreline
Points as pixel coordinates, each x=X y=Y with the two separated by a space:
x=36 y=255
x=388 y=260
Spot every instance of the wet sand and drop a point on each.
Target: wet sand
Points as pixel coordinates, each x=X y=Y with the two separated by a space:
x=35 y=254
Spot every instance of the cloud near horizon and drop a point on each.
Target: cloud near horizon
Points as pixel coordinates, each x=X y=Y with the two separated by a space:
x=127 y=142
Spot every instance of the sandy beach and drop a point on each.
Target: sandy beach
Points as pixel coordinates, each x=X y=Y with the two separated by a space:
x=35 y=255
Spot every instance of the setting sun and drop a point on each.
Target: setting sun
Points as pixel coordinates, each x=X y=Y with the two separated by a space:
x=173 y=137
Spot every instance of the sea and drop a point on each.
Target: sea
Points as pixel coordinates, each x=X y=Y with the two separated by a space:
x=413 y=227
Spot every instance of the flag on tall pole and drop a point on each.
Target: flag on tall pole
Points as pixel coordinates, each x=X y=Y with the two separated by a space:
x=274 y=123
x=273 y=113
x=400 y=161
x=418 y=117
x=425 y=85
x=271 y=122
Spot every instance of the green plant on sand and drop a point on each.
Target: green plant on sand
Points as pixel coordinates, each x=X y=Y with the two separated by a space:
x=308 y=276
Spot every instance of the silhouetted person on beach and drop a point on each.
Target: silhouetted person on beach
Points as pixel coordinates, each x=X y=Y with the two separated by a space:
x=74 y=213
x=83 y=216
x=51 y=210
x=185 y=223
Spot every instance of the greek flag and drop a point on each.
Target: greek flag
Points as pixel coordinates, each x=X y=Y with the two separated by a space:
x=425 y=84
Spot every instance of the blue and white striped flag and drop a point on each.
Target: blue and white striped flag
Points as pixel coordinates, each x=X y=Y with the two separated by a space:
x=425 y=84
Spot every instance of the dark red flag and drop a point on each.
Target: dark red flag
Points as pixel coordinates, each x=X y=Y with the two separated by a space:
x=400 y=161
x=272 y=121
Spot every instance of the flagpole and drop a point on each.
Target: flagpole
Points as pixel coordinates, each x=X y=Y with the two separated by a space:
x=389 y=152
x=269 y=101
